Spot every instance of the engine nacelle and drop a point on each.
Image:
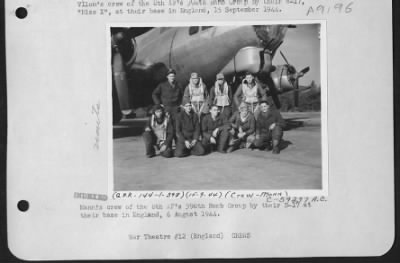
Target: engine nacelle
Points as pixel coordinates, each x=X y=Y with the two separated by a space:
x=252 y=59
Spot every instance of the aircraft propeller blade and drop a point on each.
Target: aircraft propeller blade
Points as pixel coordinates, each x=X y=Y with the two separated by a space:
x=295 y=84
x=305 y=70
x=293 y=77
x=284 y=58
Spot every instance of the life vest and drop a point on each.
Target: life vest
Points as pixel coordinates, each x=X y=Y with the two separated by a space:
x=160 y=130
x=196 y=93
x=249 y=94
x=221 y=98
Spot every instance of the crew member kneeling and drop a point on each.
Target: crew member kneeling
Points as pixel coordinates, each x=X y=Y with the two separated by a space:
x=243 y=128
x=188 y=133
x=215 y=128
x=158 y=133
x=269 y=128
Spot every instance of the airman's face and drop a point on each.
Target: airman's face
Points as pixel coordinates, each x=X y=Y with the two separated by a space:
x=243 y=110
x=249 y=78
x=158 y=113
x=214 y=111
x=195 y=81
x=171 y=78
x=188 y=108
x=264 y=107
x=220 y=81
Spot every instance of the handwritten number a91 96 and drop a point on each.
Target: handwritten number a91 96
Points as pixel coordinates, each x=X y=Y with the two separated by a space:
x=338 y=7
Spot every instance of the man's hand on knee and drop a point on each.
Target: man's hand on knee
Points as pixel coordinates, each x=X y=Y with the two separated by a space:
x=188 y=145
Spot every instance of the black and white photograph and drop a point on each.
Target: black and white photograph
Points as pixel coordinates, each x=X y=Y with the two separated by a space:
x=189 y=130
x=217 y=107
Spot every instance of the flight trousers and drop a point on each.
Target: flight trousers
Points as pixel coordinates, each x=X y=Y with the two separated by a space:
x=254 y=108
x=150 y=142
x=182 y=151
x=239 y=143
x=172 y=111
x=265 y=139
x=222 y=142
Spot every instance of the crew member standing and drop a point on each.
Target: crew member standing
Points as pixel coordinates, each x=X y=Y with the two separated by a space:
x=269 y=127
x=215 y=128
x=243 y=129
x=169 y=94
x=250 y=92
x=221 y=95
x=158 y=133
x=196 y=93
x=188 y=132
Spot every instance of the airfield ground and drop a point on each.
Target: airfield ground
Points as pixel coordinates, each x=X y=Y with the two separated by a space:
x=297 y=167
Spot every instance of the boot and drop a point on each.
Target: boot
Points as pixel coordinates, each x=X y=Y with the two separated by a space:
x=150 y=152
x=150 y=155
x=213 y=148
x=268 y=147
x=242 y=145
x=230 y=149
x=276 y=149
x=221 y=149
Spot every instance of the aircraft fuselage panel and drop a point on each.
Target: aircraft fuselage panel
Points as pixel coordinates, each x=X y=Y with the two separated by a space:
x=206 y=51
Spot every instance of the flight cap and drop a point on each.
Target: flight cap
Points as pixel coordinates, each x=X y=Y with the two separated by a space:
x=171 y=71
x=194 y=75
x=220 y=76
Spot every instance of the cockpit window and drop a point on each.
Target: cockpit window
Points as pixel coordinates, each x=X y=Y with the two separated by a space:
x=193 y=30
x=205 y=27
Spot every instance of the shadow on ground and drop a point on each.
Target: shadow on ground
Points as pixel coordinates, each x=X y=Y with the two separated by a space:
x=284 y=144
x=293 y=123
